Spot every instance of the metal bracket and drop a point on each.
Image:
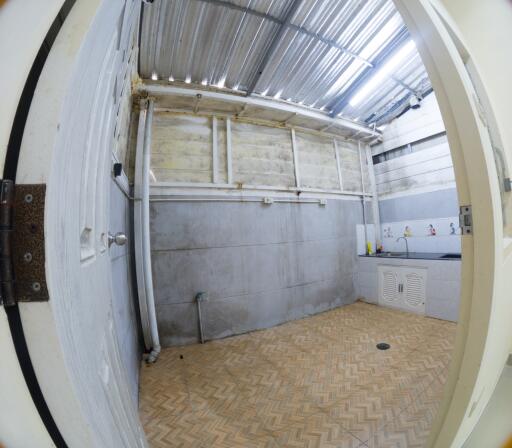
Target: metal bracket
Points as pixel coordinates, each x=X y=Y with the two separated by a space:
x=22 y=255
x=466 y=220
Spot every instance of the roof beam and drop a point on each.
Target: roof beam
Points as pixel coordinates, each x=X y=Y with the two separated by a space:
x=276 y=39
x=162 y=90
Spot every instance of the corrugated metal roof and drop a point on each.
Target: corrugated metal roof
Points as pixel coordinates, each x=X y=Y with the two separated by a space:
x=318 y=53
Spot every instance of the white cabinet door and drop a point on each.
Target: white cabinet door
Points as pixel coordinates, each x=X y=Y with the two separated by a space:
x=389 y=282
x=414 y=281
x=403 y=288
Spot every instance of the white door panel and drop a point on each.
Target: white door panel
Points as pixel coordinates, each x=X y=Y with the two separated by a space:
x=403 y=288
x=72 y=122
x=414 y=289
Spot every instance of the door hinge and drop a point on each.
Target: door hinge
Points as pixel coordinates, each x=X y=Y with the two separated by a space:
x=22 y=255
x=466 y=219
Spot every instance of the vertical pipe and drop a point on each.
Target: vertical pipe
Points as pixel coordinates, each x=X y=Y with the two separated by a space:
x=229 y=154
x=137 y=224
x=362 y=198
x=338 y=163
x=375 y=196
x=215 y=151
x=200 y=319
x=148 y=275
x=295 y=159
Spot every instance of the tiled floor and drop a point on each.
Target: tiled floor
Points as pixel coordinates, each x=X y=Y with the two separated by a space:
x=316 y=382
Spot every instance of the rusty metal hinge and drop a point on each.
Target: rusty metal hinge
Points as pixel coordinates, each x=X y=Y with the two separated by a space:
x=22 y=256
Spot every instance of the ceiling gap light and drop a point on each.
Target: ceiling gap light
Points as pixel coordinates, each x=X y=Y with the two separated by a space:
x=235 y=87
x=264 y=93
x=204 y=82
x=171 y=78
x=387 y=69
x=367 y=53
x=187 y=80
x=154 y=76
x=278 y=95
x=221 y=83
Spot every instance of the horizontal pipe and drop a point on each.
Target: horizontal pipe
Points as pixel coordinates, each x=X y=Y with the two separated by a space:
x=233 y=187
x=287 y=201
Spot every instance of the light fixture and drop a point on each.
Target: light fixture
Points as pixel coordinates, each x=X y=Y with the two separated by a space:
x=221 y=83
x=366 y=53
x=204 y=82
x=171 y=78
x=235 y=87
x=388 y=68
x=187 y=80
x=154 y=76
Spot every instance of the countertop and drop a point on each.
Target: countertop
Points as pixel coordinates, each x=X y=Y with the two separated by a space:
x=416 y=256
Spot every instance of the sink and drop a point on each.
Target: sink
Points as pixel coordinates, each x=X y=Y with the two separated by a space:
x=392 y=254
x=451 y=256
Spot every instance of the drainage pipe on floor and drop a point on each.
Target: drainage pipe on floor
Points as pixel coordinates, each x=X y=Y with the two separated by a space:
x=142 y=233
x=201 y=297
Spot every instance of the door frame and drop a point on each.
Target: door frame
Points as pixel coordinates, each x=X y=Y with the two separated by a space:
x=477 y=360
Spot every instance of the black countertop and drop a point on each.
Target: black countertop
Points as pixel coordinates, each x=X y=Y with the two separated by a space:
x=415 y=256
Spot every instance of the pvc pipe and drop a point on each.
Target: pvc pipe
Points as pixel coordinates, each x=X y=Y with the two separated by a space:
x=138 y=229
x=256 y=200
x=362 y=199
x=146 y=243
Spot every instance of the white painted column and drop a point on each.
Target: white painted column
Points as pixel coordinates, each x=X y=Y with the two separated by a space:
x=229 y=155
x=295 y=158
x=375 y=196
x=215 y=152
x=338 y=163
x=363 y=199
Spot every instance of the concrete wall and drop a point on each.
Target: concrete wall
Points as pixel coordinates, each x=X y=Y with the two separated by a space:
x=262 y=265
x=434 y=204
x=416 y=184
x=426 y=163
x=183 y=152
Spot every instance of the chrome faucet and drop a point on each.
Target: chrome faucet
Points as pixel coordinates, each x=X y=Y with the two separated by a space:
x=406 y=244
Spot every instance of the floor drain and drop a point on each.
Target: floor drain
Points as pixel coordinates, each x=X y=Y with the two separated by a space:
x=383 y=346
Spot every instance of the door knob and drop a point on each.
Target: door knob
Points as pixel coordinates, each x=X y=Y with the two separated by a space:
x=119 y=238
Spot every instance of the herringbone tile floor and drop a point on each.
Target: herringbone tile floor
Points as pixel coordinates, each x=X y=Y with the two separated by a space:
x=316 y=382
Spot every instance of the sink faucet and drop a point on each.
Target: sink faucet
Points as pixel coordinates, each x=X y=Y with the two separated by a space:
x=406 y=244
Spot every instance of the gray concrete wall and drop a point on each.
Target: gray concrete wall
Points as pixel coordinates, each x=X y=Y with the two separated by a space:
x=262 y=265
x=123 y=305
x=430 y=205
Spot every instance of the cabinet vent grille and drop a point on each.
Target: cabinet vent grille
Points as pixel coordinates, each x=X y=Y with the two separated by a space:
x=414 y=291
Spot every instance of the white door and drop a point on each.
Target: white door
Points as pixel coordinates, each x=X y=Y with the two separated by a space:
x=389 y=284
x=67 y=145
x=413 y=281
x=403 y=288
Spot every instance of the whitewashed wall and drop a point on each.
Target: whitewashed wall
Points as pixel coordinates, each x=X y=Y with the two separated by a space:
x=183 y=152
x=429 y=167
